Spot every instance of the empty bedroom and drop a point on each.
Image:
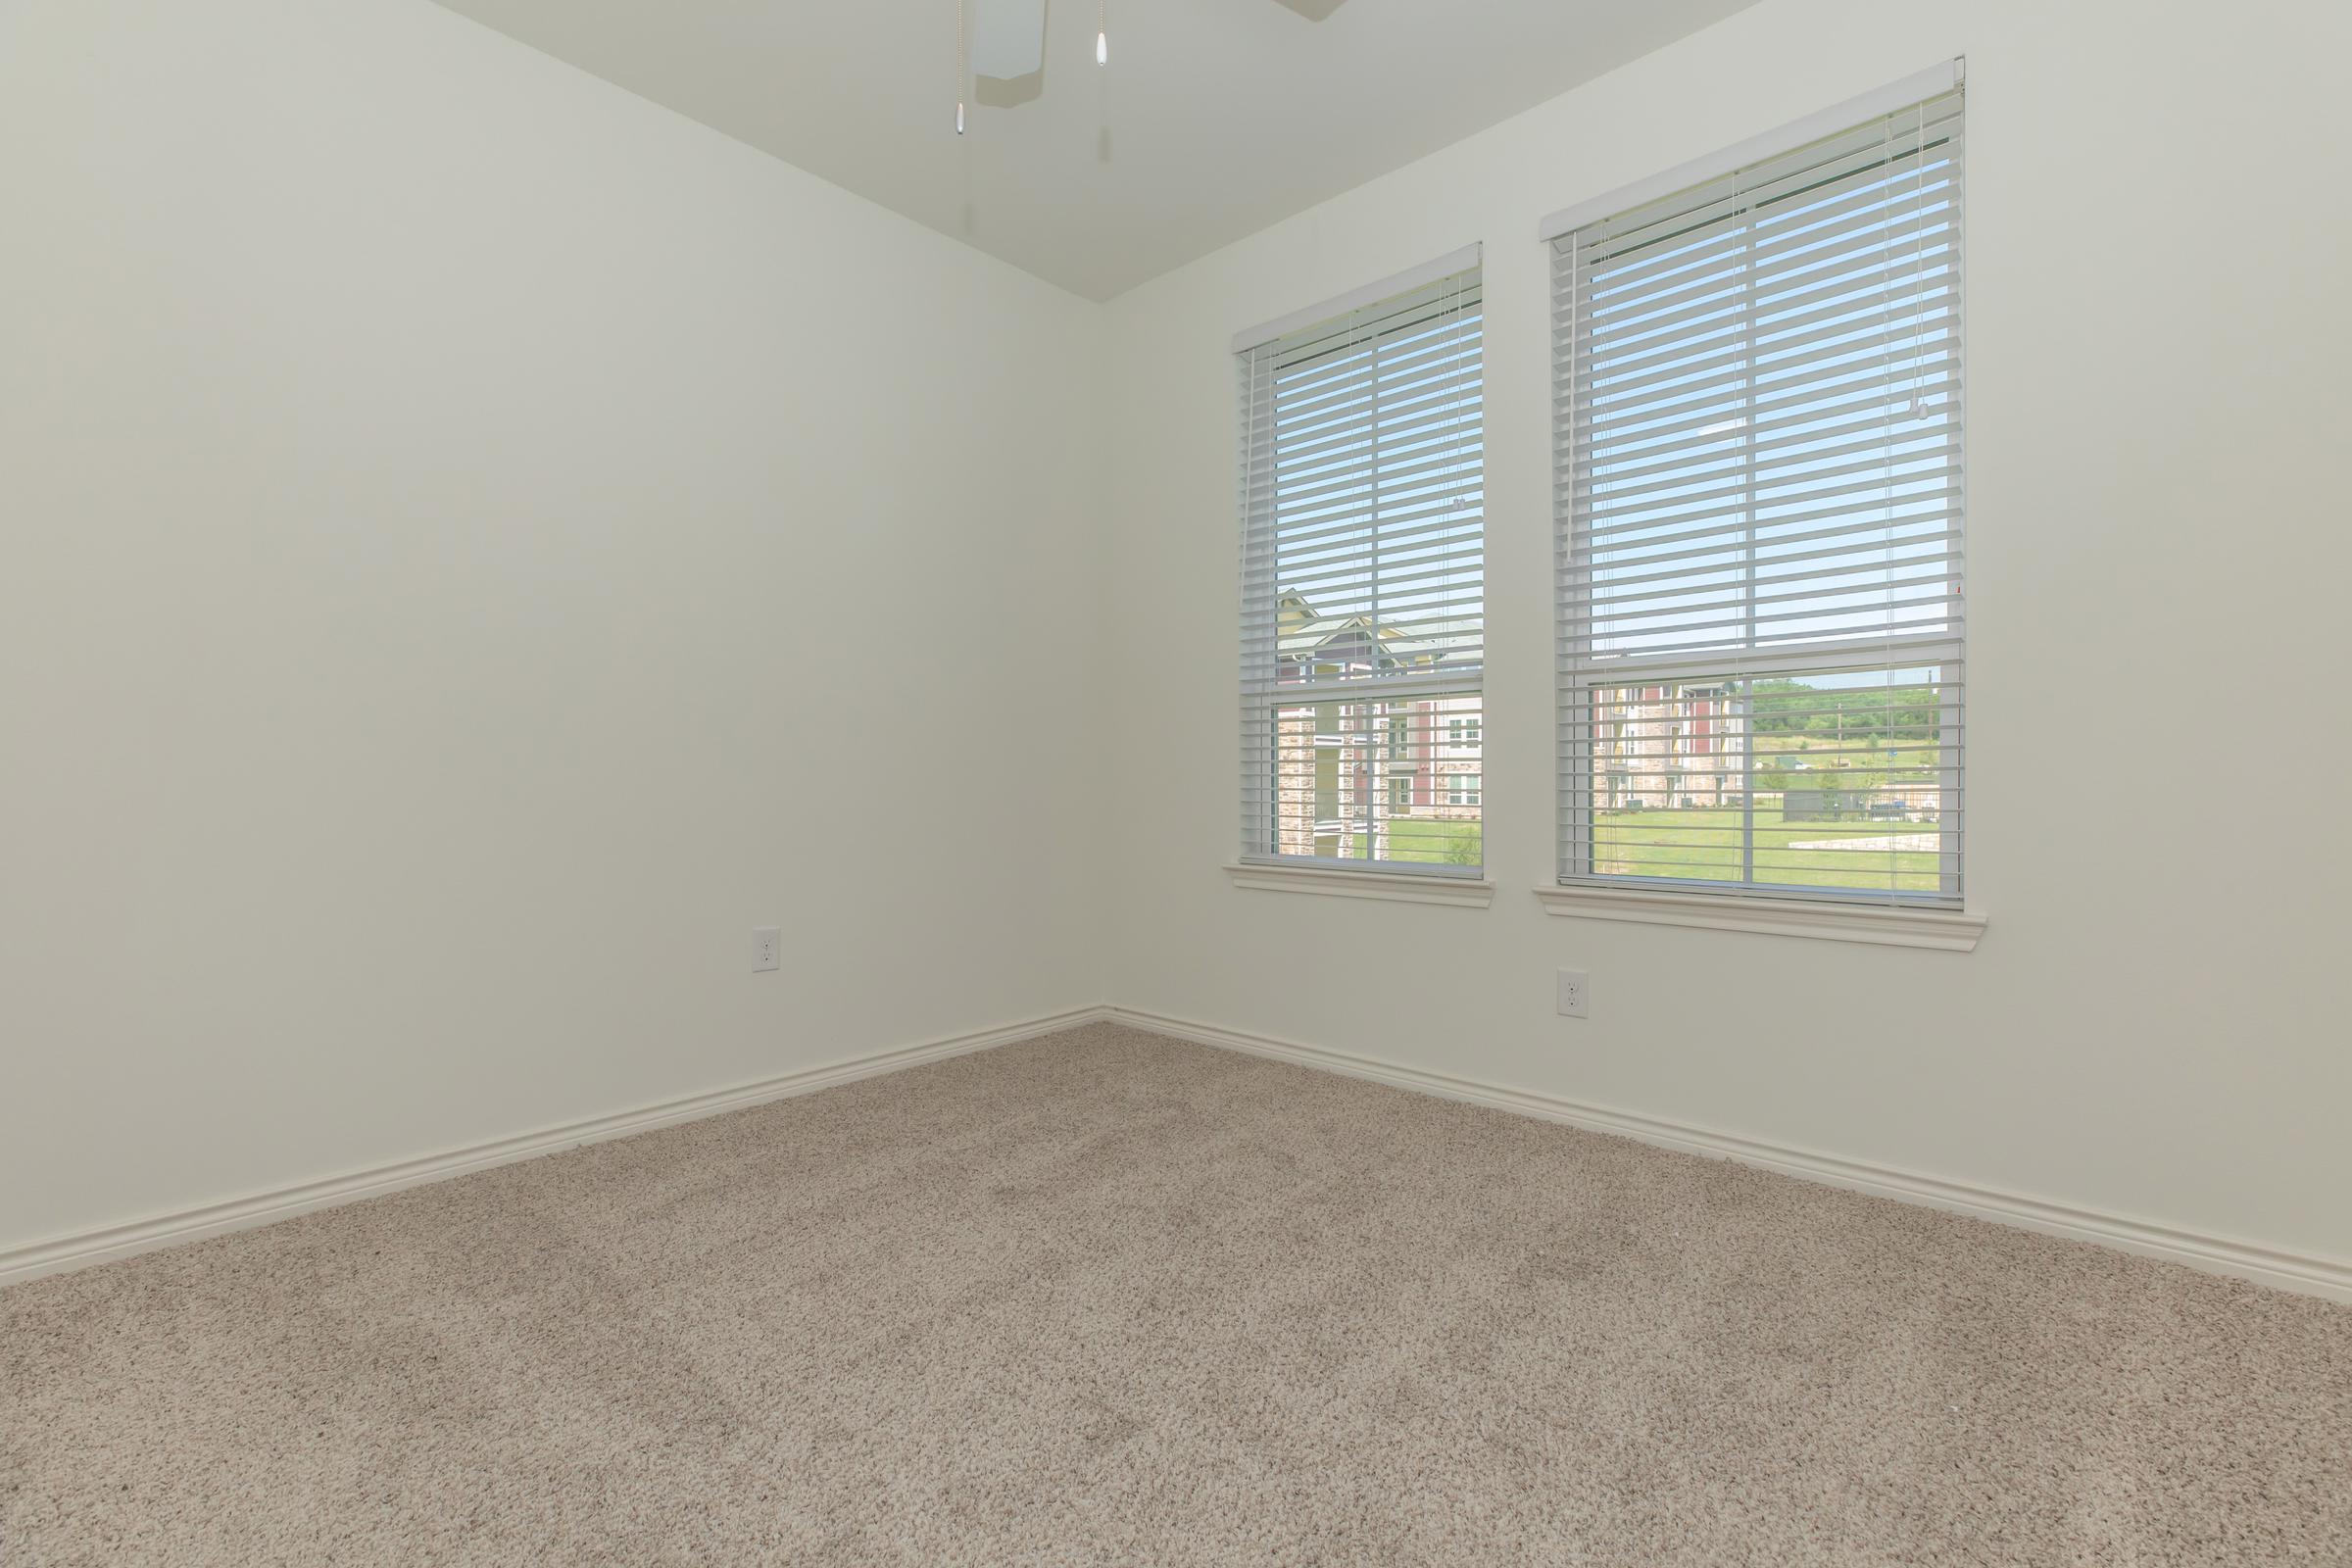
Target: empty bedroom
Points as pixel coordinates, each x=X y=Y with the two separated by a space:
x=1174 y=782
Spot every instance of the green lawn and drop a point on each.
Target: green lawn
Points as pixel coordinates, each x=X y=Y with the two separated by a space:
x=1701 y=846
x=1704 y=846
x=1425 y=841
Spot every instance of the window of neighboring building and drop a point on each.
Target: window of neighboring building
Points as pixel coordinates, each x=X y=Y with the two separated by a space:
x=1761 y=516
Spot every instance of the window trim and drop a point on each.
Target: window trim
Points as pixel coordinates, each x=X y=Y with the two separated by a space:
x=1356 y=299
x=1880 y=923
x=1916 y=87
x=1398 y=882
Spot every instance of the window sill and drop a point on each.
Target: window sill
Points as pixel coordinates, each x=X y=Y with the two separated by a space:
x=1946 y=930
x=1400 y=887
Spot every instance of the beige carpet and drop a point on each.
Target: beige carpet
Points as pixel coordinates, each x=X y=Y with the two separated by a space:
x=1111 y=1298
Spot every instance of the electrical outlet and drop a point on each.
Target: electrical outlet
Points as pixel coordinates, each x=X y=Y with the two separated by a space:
x=767 y=944
x=1575 y=993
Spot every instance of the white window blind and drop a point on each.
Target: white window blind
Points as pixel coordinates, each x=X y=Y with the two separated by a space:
x=1363 y=586
x=1761 y=620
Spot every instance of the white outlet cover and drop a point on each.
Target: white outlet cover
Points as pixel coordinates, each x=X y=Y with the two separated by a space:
x=1575 y=993
x=767 y=947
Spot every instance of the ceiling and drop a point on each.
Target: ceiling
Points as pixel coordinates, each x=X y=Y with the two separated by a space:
x=1213 y=118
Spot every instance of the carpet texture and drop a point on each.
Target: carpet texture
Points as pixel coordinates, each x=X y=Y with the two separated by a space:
x=1106 y=1297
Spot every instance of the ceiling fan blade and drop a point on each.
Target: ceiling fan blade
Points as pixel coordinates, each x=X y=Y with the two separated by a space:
x=1009 y=51
x=1312 y=10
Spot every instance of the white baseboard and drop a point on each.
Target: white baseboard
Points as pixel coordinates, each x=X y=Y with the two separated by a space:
x=81 y=1251
x=2311 y=1274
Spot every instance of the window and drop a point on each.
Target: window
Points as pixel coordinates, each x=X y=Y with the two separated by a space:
x=1363 y=592
x=1461 y=789
x=1760 y=515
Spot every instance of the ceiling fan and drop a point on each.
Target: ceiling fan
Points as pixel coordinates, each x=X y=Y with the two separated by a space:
x=1001 y=52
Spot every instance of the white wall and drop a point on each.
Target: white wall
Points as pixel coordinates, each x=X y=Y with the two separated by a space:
x=2157 y=409
x=475 y=544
